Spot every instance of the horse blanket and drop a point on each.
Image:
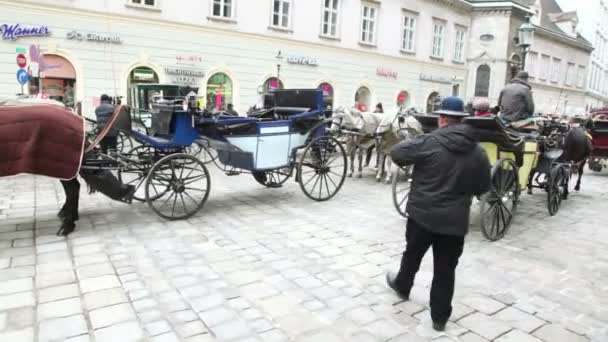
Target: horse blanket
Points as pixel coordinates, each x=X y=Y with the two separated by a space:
x=40 y=139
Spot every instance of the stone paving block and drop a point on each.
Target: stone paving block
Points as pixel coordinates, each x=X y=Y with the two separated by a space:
x=17 y=300
x=320 y=336
x=59 y=308
x=123 y=332
x=150 y=315
x=207 y=302
x=16 y=285
x=274 y=335
x=53 y=267
x=261 y=325
x=519 y=319
x=102 y=298
x=232 y=330
x=201 y=338
x=518 y=336
x=61 y=328
x=81 y=338
x=385 y=329
x=472 y=337
x=217 y=316
x=166 y=337
x=55 y=278
x=94 y=270
x=83 y=260
x=91 y=248
x=24 y=260
x=110 y=315
x=555 y=333
x=482 y=303
x=485 y=326
x=183 y=316
x=157 y=328
x=258 y=290
x=144 y=304
x=25 y=335
x=190 y=329
x=362 y=315
x=99 y=283
x=50 y=294
x=51 y=247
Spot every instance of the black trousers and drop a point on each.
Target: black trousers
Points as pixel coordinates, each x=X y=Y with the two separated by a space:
x=108 y=143
x=447 y=249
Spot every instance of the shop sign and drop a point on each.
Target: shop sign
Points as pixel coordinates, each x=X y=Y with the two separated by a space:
x=94 y=37
x=188 y=59
x=303 y=60
x=436 y=79
x=185 y=80
x=185 y=72
x=13 y=32
x=22 y=77
x=386 y=73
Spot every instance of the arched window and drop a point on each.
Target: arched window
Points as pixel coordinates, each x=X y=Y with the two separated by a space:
x=219 y=91
x=432 y=104
x=328 y=95
x=363 y=99
x=272 y=84
x=403 y=99
x=482 y=81
x=139 y=75
x=59 y=81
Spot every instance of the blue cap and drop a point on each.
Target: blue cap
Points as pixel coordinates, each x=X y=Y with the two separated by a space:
x=452 y=106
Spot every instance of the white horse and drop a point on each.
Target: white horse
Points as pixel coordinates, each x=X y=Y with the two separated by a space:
x=392 y=130
x=359 y=128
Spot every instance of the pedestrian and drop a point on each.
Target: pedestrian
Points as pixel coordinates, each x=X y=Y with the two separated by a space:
x=515 y=100
x=449 y=168
x=482 y=107
x=379 y=108
x=104 y=114
x=230 y=110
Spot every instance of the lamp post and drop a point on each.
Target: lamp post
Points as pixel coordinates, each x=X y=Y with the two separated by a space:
x=279 y=58
x=526 y=35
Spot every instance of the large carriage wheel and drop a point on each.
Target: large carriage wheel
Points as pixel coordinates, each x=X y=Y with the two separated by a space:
x=273 y=178
x=177 y=186
x=595 y=164
x=124 y=143
x=206 y=155
x=556 y=188
x=141 y=159
x=499 y=204
x=322 y=168
x=402 y=181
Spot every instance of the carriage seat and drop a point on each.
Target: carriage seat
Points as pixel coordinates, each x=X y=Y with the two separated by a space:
x=283 y=113
x=600 y=127
x=491 y=129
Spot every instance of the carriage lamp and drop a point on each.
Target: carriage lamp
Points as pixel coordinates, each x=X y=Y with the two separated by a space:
x=279 y=58
x=526 y=36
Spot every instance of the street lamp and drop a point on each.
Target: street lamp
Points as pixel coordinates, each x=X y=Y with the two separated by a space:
x=526 y=35
x=279 y=58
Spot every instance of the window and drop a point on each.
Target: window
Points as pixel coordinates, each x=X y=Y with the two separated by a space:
x=580 y=76
x=556 y=70
x=272 y=84
x=532 y=64
x=461 y=33
x=363 y=99
x=329 y=21
x=219 y=92
x=438 y=38
x=482 y=81
x=570 y=74
x=280 y=13
x=150 y=3
x=545 y=67
x=328 y=96
x=409 y=33
x=368 y=24
x=433 y=102
x=222 y=8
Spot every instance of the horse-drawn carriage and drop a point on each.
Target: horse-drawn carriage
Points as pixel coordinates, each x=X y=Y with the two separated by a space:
x=599 y=133
x=519 y=161
x=293 y=138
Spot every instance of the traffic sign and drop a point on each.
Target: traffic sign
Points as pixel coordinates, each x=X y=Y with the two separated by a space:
x=21 y=50
x=21 y=60
x=22 y=77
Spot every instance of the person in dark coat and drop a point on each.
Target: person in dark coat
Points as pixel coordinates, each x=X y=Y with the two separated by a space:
x=104 y=114
x=515 y=100
x=449 y=168
x=230 y=110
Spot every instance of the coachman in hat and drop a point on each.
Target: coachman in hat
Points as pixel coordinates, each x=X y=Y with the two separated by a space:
x=450 y=167
x=515 y=100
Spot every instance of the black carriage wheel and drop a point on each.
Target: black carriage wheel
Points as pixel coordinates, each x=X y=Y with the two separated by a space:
x=206 y=155
x=141 y=159
x=273 y=178
x=322 y=168
x=177 y=186
x=402 y=181
x=499 y=204
x=595 y=165
x=556 y=189
x=123 y=143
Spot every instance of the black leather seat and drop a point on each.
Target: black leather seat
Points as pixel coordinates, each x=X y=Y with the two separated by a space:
x=491 y=129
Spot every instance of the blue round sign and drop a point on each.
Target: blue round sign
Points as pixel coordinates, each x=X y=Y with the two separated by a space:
x=22 y=77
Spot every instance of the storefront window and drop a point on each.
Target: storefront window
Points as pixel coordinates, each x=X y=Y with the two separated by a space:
x=139 y=75
x=219 y=92
x=272 y=84
x=433 y=102
x=57 y=80
x=363 y=99
x=328 y=96
x=403 y=100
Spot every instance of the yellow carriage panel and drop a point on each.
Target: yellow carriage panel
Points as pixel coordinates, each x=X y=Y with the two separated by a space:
x=530 y=159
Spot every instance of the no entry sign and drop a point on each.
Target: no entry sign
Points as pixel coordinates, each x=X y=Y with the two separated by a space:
x=21 y=60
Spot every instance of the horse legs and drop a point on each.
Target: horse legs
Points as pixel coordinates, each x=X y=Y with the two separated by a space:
x=389 y=172
x=352 y=154
x=380 y=165
x=69 y=211
x=530 y=181
x=361 y=150
x=580 y=175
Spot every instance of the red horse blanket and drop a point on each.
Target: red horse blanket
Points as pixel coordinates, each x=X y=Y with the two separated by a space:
x=40 y=139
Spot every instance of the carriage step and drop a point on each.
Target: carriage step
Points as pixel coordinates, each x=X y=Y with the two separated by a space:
x=232 y=173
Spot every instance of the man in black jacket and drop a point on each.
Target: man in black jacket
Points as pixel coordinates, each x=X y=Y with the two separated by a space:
x=450 y=167
x=104 y=115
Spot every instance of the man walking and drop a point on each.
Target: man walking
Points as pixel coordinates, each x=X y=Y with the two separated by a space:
x=104 y=114
x=450 y=167
x=515 y=100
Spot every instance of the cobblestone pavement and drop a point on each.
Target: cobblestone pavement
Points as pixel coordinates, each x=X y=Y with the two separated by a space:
x=271 y=265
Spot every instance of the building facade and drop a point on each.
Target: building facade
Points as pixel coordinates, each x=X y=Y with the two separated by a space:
x=407 y=53
x=358 y=52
